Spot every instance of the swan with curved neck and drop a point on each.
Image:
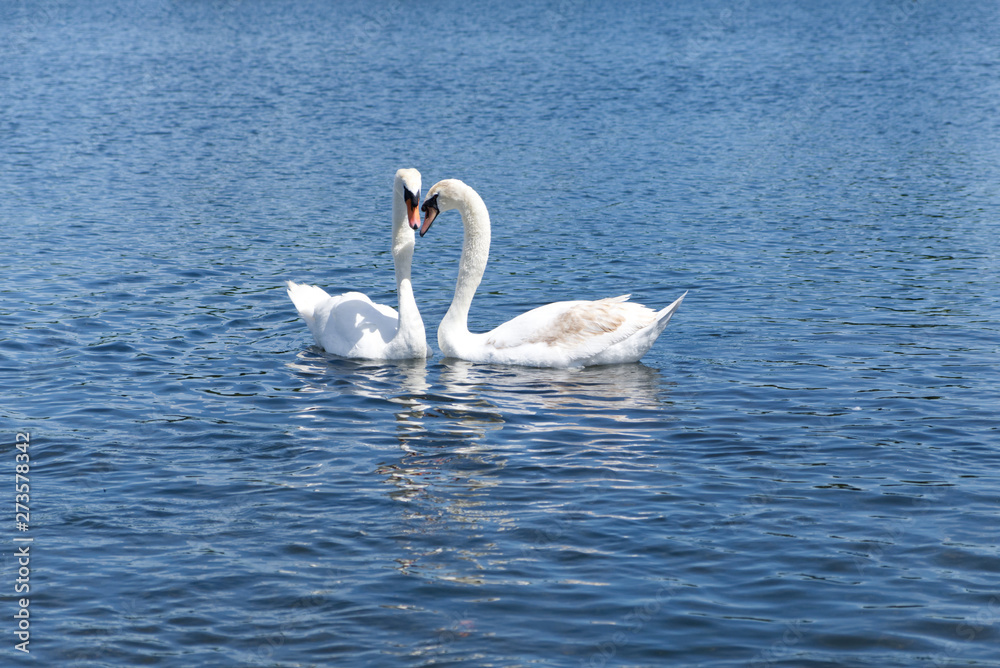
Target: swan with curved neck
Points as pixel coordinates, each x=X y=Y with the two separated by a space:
x=561 y=334
x=351 y=324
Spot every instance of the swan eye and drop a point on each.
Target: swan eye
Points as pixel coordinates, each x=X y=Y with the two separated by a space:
x=431 y=203
x=410 y=198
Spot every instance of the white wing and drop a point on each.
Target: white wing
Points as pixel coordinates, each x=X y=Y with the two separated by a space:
x=568 y=333
x=350 y=325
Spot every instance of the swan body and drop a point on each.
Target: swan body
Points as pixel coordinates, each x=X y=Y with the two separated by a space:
x=561 y=334
x=351 y=324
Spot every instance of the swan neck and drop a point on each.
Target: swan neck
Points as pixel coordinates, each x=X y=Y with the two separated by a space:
x=475 y=254
x=402 y=257
x=409 y=314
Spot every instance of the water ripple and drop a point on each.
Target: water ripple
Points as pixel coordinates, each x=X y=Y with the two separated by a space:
x=802 y=471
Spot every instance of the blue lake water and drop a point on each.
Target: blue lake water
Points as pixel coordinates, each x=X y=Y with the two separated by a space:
x=803 y=471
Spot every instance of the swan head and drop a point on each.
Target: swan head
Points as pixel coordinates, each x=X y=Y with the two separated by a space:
x=443 y=196
x=407 y=188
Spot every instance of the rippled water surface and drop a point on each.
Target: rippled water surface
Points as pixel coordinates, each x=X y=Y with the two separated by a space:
x=803 y=471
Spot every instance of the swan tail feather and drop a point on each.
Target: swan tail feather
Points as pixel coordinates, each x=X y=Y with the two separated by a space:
x=637 y=344
x=306 y=298
x=663 y=317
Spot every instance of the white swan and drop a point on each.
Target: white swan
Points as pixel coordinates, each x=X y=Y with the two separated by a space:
x=351 y=325
x=561 y=334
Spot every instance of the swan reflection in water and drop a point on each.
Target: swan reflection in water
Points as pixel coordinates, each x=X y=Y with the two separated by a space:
x=447 y=417
x=580 y=391
x=476 y=399
x=460 y=425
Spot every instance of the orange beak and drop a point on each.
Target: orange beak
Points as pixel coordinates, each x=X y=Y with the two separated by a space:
x=413 y=215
